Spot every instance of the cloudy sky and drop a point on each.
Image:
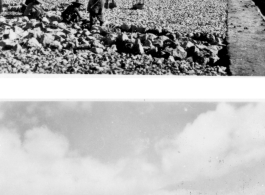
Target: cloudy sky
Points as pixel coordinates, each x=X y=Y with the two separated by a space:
x=132 y=148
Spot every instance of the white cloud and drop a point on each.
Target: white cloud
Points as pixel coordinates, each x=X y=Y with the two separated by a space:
x=42 y=163
x=215 y=144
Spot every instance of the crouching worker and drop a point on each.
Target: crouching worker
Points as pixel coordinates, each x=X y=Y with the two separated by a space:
x=71 y=14
x=24 y=5
x=96 y=9
x=34 y=9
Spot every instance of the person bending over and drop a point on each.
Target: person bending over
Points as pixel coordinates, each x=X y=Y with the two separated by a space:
x=34 y=9
x=71 y=14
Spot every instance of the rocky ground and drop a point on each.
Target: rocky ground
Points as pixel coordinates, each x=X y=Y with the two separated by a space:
x=168 y=37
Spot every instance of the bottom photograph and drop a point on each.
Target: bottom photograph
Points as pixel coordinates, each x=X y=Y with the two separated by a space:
x=132 y=148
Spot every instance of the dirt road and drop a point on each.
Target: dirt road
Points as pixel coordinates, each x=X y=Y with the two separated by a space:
x=246 y=38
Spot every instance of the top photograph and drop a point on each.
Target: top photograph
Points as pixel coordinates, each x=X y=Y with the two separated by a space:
x=133 y=37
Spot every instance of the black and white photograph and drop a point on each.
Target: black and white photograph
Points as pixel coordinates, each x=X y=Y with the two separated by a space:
x=132 y=37
x=132 y=148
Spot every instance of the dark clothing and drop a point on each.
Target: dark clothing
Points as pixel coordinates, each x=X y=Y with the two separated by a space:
x=94 y=16
x=24 y=6
x=110 y=5
x=96 y=9
x=1 y=6
x=29 y=1
x=34 y=10
x=95 y=6
x=71 y=14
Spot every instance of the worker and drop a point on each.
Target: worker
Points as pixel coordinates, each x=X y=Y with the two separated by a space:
x=34 y=9
x=71 y=14
x=24 y=6
x=96 y=10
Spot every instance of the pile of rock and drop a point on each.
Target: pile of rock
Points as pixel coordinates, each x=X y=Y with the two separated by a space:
x=50 y=46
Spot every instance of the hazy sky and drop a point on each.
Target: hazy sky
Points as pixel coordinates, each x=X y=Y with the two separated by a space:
x=132 y=148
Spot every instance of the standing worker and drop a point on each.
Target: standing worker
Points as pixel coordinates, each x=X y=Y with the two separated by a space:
x=96 y=10
x=71 y=14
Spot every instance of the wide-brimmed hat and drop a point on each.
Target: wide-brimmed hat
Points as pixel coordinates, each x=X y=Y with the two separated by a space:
x=77 y=3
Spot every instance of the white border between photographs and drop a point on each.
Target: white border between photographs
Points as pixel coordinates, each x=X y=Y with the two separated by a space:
x=133 y=88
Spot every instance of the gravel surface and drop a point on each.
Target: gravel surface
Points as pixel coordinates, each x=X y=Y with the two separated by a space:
x=165 y=38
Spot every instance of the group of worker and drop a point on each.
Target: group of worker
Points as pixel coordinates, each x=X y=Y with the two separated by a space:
x=71 y=14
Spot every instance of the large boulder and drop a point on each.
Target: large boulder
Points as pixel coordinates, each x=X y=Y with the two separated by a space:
x=125 y=27
x=148 y=36
x=91 y=38
x=86 y=33
x=153 y=51
x=211 y=38
x=123 y=37
x=213 y=49
x=201 y=56
x=52 y=18
x=47 y=39
x=56 y=45
x=97 y=44
x=31 y=24
x=112 y=49
x=25 y=19
x=7 y=44
x=95 y=28
x=33 y=42
x=2 y=19
x=171 y=43
x=171 y=35
x=18 y=30
x=178 y=35
x=187 y=45
x=36 y=32
x=98 y=36
x=54 y=24
x=163 y=38
x=97 y=50
x=179 y=53
x=148 y=43
x=61 y=25
x=139 y=47
x=61 y=34
x=17 y=48
x=103 y=30
x=45 y=20
x=10 y=34
x=201 y=46
x=26 y=35
x=159 y=43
